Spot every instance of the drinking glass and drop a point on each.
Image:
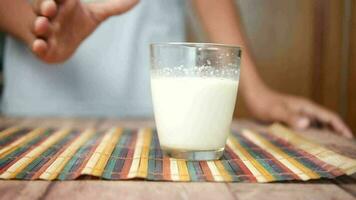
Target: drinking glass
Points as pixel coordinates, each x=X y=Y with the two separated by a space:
x=194 y=88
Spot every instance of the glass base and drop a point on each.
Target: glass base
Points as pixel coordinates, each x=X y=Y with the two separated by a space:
x=194 y=154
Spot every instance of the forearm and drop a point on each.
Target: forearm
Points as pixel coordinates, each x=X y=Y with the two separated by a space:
x=221 y=21
x=16 y=18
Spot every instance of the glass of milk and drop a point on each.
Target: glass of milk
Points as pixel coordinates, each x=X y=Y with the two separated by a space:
x=194 y=89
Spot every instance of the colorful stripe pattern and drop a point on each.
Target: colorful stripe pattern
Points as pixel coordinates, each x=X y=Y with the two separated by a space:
x=115 y=154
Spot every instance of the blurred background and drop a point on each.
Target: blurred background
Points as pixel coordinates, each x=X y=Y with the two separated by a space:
x=302 y=47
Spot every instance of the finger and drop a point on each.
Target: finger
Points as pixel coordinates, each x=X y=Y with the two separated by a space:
x=36 y=5
x=290 y=117
x=41 y=27
x=301 y=122
x=297 y=122
x=39 y=47
x=333 y=120
x=339 y=126
x=47 y=8
x=109 y=8
x=327 y=117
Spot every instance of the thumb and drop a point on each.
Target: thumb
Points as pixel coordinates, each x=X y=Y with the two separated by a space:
x=298 y=122
x=290 y=117
x=107 y=8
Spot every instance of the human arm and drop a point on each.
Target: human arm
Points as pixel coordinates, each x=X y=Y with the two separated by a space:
x=221 y=21
x=16 y=19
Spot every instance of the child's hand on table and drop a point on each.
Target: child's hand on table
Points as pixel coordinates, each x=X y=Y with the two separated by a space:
x=297 y=112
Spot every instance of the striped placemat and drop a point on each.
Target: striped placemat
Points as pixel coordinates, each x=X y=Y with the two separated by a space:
x=117 y=154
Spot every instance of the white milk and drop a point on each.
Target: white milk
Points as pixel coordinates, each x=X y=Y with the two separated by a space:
x=193 y=113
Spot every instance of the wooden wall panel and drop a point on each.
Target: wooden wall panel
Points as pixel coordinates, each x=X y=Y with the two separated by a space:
x=281 y=35
x=351 y=99
x=330 y=54
x=300 y=49
x=334 y=73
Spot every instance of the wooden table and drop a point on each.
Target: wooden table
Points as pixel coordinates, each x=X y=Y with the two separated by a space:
x=342 y=188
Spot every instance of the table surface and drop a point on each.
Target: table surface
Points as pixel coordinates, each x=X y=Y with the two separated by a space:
x=341 y=188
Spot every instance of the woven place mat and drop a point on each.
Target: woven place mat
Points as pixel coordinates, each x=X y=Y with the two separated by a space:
x=117 y=154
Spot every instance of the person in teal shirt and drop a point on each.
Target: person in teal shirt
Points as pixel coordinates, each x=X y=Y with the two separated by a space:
x=91 y=59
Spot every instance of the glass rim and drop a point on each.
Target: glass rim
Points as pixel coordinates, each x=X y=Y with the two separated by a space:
x=194 y=45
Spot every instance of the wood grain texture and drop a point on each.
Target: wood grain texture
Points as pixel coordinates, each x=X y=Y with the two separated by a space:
x=137 y=190
x=347 y=183
x=300 y=49
x=281 y=36
x=351 y=99
x=289 y=191
x=341 y=188
x=328 y=53
x=16 y=190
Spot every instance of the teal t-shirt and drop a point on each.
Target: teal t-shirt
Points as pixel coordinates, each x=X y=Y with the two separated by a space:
x=107 y=76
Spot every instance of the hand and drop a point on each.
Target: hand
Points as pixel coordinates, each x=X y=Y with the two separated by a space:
x=297 y=112
x=62 y=25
